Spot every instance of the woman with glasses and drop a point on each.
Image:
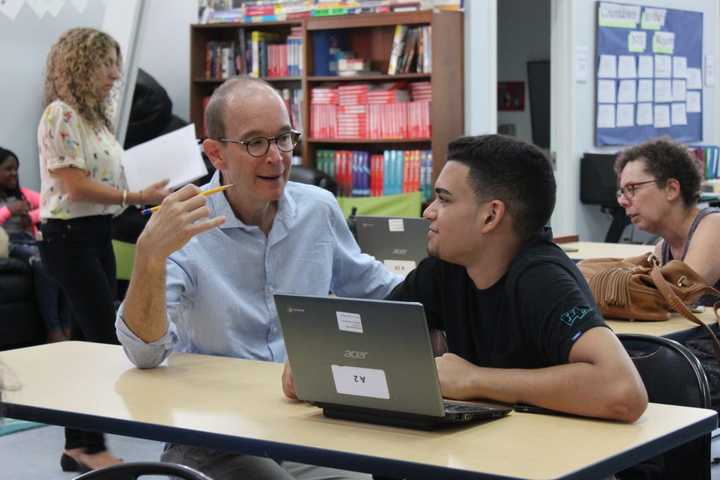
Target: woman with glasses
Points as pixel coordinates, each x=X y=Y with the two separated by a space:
x=659 y=188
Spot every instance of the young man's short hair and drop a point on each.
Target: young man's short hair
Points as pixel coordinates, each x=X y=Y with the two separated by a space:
x=510 y=170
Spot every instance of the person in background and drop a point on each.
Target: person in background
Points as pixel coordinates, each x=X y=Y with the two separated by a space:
x=19 y=216
x=83 y=186
x=206 y=268
x=521 y=323
x=659 y=189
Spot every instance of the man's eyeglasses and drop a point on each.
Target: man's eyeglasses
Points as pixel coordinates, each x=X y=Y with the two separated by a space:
x=259 y=146
x=628 y=191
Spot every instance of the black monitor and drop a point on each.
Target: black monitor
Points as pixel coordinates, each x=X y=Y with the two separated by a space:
x=598 y=186
x=598 y=182
x=538 y=73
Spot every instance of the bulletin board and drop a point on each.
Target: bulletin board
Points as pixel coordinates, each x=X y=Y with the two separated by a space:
x=648 y=74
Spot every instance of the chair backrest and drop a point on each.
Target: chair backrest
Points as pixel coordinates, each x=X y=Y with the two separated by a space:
x=133 y=471
x=671 y=373
x=313 y=176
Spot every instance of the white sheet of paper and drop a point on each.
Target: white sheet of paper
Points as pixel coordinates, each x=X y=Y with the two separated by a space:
x=679 y=67
x=349 y=322
x=606 y=91
x=606 y=116
x=663 y=66
x=653 y=18
x=662 y=116
x=618 y=15
x=627 y=66
x=399 y=267
x=679 y=90
x=396 y=224
x=709 y=67
x=645 y=91
x=664 y=42
x=626 y=115
x=582 y=64
x=637 y=41
x=663 y=91
x=679 y=115
x=644 y=114
x=626 y=92
x=174 y=156
x=694 y=102
x=607 y=67
x=363 y=382
x=645 y=66
x=694 y=78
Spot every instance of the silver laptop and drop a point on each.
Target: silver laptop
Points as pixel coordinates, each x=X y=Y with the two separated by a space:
x=399 y=242
x=369 y=360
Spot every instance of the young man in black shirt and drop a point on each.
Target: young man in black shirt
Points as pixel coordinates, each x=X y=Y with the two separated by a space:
x=520 y=320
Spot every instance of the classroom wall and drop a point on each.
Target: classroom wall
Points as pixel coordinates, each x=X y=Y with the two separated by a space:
x=523 y=35
x=586 y=220
x=481 y=66
x=165 y=48
x=25 y=40
x=24 y=45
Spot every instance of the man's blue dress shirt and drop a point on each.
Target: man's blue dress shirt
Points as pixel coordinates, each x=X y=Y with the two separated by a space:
x=220 y=286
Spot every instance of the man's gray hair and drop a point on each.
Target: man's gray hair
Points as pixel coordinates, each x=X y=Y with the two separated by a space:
x=217 y=106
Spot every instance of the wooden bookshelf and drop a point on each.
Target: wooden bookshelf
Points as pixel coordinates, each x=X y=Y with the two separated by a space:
x=370 y=78
x=369 y=36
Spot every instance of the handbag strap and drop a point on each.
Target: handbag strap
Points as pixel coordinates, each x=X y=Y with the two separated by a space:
x=666 y=290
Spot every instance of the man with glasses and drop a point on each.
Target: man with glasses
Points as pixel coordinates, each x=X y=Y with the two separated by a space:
x=206 y=268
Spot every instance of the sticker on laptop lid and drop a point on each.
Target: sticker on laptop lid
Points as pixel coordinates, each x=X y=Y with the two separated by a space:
x=361 y=382
x=396 y=224
x=400 y=267
x=349 y=322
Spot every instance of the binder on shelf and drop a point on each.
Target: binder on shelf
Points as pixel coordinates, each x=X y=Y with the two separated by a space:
x=397 y=48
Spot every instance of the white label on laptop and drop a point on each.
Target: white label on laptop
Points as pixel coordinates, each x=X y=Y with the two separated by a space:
x=400 y=267
x=362 y=382
x=396 y=224
x=349 y=322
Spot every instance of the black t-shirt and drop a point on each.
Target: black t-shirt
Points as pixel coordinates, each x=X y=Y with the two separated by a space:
x=530 y=318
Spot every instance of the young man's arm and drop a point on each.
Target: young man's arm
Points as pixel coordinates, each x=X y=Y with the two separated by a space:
x=599 y=381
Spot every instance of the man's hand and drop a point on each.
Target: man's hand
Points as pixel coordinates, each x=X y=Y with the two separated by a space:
x=288 y=384
x=453 y=372
x=182 y=216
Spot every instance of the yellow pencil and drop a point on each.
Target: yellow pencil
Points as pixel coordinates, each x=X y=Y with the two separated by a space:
x=204 y=193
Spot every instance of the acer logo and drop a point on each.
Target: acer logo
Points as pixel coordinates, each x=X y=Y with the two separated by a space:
x=295 y=310
x=356 y=355
x=400 y=251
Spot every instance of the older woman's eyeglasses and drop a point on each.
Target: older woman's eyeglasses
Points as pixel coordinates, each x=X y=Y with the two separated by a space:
x=259 y=146
x=628 y=191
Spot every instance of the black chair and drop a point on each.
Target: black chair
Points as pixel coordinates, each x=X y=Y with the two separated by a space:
x=674 y=376
x=313 y=176
x=133 y=471
x=20 y=321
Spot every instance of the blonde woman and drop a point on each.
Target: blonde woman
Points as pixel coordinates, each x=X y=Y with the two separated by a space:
x=83 y=187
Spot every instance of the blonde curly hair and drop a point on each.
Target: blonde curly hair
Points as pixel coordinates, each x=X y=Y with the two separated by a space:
x=70 y=72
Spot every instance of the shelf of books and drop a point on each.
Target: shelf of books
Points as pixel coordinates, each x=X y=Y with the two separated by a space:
x=377 y=96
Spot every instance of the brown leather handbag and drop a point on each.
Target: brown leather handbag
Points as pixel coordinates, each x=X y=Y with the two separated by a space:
x=638 y=288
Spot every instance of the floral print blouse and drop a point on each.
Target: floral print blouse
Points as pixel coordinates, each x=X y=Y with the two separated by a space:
x=65 y=139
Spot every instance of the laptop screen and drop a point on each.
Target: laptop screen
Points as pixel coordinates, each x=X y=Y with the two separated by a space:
x=400 y=243
x=364 y=353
